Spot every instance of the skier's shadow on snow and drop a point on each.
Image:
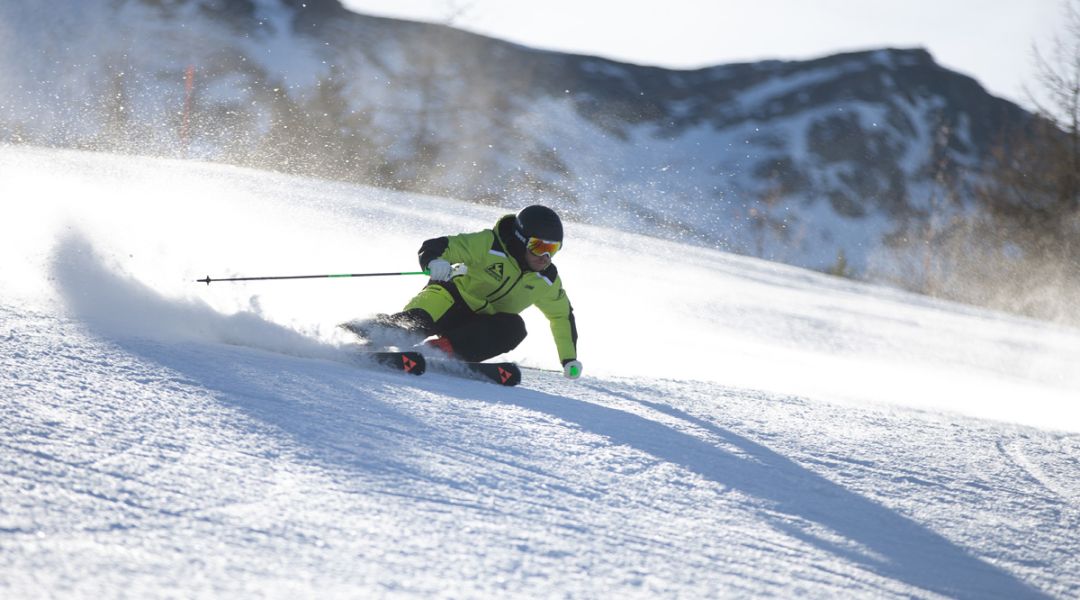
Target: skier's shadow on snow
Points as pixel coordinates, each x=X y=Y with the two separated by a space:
x=896 y=546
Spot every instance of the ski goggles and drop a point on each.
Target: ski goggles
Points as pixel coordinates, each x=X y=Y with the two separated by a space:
x=541 y=247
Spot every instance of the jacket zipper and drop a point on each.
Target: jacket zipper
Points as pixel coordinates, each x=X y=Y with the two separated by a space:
x=520 y=276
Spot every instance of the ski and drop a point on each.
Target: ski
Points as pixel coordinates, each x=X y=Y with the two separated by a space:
x=502 y=373
x=412 y=363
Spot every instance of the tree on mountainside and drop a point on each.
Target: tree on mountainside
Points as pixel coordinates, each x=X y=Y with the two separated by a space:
x=339 y=138
x=1032 y=194
x=435 y=69
x=929 y=242
x=116 y=114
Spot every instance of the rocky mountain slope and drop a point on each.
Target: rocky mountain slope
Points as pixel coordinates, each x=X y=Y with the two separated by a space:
x=792 y=161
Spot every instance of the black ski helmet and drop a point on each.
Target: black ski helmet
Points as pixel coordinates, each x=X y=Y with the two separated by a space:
x=539 y=222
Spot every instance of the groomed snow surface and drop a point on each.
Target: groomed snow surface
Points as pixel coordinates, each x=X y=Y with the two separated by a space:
x=743 y=429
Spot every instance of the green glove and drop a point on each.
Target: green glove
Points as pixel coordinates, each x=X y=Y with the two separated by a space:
x=572 y=369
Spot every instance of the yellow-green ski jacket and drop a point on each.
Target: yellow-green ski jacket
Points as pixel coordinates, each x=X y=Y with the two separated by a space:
x=497 y=281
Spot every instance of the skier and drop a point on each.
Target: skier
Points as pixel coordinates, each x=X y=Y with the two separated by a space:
x=479 y=284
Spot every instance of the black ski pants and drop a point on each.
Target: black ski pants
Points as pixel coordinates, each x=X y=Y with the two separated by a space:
x=474 y=337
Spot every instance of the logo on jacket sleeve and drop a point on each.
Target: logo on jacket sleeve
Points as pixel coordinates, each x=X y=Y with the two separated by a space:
x=495 y=270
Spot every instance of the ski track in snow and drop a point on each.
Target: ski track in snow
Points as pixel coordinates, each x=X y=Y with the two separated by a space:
x=154 y=446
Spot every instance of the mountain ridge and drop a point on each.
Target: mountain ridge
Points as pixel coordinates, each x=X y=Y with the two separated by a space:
x=795 y=161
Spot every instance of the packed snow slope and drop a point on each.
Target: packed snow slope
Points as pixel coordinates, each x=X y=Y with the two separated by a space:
x=743 y=428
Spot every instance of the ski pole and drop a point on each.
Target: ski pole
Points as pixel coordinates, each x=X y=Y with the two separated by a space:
x=330 y=276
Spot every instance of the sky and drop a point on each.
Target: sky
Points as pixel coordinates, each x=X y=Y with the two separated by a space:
x=990 y=40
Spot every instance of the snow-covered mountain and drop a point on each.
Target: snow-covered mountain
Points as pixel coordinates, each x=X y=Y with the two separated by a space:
x=791 y=161
x=744 y=429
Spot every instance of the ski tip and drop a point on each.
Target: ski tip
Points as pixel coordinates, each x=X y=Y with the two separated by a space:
x=507 y=374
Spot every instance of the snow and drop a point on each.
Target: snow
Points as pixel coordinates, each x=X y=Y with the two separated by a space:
x=743 y=428
x=775 y=87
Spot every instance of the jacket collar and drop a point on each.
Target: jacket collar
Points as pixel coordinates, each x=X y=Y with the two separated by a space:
x=508 y=242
